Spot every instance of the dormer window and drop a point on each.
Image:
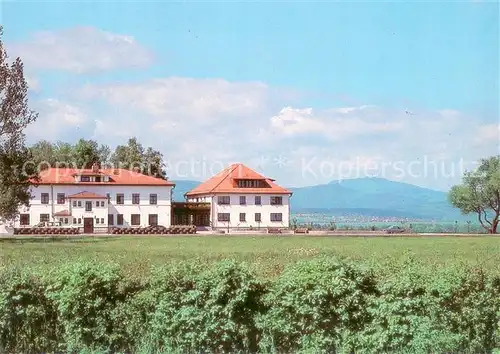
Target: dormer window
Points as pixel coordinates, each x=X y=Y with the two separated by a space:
x=92 y=178
x=251 y=183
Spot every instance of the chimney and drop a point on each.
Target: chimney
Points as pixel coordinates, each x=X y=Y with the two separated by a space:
x=95 y=167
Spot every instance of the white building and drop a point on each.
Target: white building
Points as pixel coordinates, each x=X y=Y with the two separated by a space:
x=97 y=199
x=239 y=197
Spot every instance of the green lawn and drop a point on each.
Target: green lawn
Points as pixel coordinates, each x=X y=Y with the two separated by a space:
x=267 y=254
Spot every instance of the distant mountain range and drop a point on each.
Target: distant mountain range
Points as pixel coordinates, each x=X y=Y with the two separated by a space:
x=181 y=187
x=376 y=197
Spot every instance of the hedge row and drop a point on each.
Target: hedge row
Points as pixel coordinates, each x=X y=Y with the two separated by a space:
x=155 y=230
x=47 y=231
x=322 y=305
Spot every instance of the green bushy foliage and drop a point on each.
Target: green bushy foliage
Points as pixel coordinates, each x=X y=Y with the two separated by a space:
x=85 y=295
x=405 y=318
x=470 y=306
x=316 y=305
x=451 y=310
x=210 y=310
x=28 y=321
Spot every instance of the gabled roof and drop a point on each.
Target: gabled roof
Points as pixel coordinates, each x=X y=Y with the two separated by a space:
x=118 y=176
x=86 y=195
x=225 y=182
x=63 y=213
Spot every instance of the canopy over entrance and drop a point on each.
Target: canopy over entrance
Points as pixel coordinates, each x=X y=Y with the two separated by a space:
x=197 y=214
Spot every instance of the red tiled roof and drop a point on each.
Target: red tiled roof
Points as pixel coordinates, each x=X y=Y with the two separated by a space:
x=86 y=195
x=117 y=176
x=224 y=182
x=62 y=213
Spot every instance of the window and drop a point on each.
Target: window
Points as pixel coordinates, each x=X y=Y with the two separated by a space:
x=153 y=199
x=24 y=219
x=153 y=219
x=102 y=220
x=111 y=219
x=74 y=220
x=85 y=179
x=98 y=178
x=135 y=219
x=120 y=199
x=258 y=217
x=79 y=220
x=223 y=217
x=44 y=217
x=242 y=217
x=97 y=220
x=136 y=198
x=74 y=203
x=276 y=217
x=45 y=198
x=61 y=220
x=61 y=198
x=102 y=203
x=276 y=200
x=88 y=206
x=250 y=183
x=119 y=219
x=79 y=204
x=66 y=220
x=258 y=200
x=97 y=204
x=108 y=196
x=223 y=200
x=243 y=200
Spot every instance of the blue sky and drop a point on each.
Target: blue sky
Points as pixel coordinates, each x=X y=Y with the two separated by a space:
x=248 y=62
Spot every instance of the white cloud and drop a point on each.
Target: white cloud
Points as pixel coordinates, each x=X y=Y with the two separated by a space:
x=335 y=124
x=58 y=120
x=201 y=125
x=33 y=83
x=81 y=50
x=488 y=133
x=179 y=98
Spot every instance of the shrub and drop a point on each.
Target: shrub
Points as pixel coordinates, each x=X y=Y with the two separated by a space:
x=210 y=310
x=405 y=318
x=316 y=304
x=470 y=303
x=85 y=295
x=28 y=321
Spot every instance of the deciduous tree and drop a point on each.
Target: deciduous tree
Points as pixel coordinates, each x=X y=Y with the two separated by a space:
x=15 y=116
x=133 y=155
x=480 y=193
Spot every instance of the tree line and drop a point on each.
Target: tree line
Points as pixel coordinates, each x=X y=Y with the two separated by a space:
x=85 y=153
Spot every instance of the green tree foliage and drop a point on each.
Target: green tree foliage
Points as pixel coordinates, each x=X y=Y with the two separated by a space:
x=15 y=116
x=134 y=156
x=480 y=193
x=85 y=153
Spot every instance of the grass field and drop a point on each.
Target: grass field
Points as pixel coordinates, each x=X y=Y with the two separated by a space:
x=267 y=254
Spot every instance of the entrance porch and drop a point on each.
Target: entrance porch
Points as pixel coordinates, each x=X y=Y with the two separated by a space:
x=197 y=214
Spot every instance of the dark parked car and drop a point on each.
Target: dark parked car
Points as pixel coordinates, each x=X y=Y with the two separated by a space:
x=395 y=230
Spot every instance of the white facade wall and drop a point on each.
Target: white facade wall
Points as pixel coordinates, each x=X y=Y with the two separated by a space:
x=162 y=208
x=250 y=209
